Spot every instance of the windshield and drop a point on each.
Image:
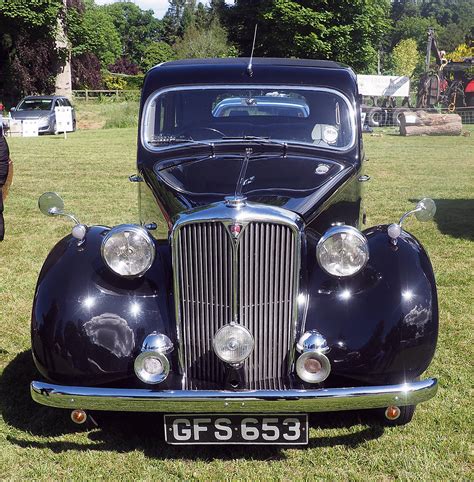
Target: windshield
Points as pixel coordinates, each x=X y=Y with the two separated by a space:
x=318 y=117
x=35 y=104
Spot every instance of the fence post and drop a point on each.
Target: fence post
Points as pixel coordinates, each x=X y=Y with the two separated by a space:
x=87 y=95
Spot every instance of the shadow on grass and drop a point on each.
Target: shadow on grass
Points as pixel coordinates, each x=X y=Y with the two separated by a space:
x=454 y=217
x=127 y=432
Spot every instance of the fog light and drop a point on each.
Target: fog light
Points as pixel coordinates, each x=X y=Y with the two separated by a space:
x=78 y=416
x=313 y=367
x=152 y=367
x=392 y=412
x=233 y=343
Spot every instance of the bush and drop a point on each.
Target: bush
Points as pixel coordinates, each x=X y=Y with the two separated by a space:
x=115 y=81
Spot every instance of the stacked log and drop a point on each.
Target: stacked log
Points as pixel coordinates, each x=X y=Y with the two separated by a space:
x=423 y=123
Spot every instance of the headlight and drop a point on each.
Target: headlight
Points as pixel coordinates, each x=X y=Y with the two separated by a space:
x=342 y=251
x=233 y=343
x=128 y=250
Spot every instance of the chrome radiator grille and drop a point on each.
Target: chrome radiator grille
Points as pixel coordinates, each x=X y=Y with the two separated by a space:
x=252 y=281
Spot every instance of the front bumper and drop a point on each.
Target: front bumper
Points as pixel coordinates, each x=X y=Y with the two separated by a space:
x=258 y=401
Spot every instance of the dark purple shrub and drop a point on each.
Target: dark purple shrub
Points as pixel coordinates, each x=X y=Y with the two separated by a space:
x=86 y=72
x=124 y=65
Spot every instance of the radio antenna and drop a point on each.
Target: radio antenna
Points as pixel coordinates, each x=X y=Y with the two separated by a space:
x=249 y=66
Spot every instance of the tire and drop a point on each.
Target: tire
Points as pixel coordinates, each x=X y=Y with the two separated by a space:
x=406 y=415
x=376 y=117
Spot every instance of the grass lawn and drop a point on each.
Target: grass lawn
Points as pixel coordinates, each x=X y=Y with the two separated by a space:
x=90 y=170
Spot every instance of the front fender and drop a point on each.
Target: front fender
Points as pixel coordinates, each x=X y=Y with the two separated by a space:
x=382 y=324
x=88 y=324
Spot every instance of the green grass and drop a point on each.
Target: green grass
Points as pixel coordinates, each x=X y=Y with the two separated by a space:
x=109 y=114
x=90 y=170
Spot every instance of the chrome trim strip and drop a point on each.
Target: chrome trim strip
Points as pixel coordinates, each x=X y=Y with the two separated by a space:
x=201 y=401
x=144 y=118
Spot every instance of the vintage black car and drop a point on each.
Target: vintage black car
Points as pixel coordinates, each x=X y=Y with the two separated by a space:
x=269 y=299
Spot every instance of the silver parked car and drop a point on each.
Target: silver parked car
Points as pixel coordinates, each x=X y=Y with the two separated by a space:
x=41 y=108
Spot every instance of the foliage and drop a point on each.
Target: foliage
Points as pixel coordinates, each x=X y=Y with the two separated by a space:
x=210 y=42
x=460 y=53
x=405 y=57
x=172 y=21
x=346 y=31
x=117 y=81
x=453 y=21
x=124 y=65
x=27 y=70
x=86 y=71
x=188 y=14
x=415 y=28
x=136 y=28
x=156 y=53
x=32 y=13
x=114 y=82
x=94 y=32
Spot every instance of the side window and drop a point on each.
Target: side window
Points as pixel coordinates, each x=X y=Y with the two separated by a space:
x=66 y=103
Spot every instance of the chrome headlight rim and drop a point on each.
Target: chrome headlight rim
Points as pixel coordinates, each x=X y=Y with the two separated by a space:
x=143 y=375
x=342 y=229
x=132 y=228
x=318 y=377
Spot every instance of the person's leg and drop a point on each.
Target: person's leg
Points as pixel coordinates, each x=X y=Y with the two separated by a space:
x=2 y=224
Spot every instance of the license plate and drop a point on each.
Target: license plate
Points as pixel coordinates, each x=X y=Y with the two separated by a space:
x=264 y=429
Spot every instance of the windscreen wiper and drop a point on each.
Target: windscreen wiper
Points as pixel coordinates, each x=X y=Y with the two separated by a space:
x=171 y=140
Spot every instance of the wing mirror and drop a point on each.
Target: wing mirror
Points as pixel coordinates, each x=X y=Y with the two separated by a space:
x=424 y=211
x=51 y=204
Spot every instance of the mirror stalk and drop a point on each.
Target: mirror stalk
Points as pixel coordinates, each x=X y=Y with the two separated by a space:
x=424 y=211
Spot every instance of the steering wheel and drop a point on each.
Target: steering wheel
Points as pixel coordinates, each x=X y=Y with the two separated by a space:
x=192 y=132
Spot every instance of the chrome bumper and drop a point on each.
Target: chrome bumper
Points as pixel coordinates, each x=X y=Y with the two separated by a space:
x=202 y=401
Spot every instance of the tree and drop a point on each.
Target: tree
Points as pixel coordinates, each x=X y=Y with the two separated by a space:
x=156 y=53
x=453 y=21
x=460 y=53
x=137 y=29
x=346 y=31
x=405 y=57
x=94 y=32
x=86 y=71
x=27 y=70
x=172 y=27
x=124 y=65
x=210 y=42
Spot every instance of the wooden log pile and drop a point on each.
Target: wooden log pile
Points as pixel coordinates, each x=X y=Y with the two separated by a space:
x=423 y=123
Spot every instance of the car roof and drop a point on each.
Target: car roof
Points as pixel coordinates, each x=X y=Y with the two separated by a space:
x=328 y=64
x=46 y=97
x=265 y=71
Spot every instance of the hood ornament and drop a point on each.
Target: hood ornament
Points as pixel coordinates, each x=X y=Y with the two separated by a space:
x=238 y=199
